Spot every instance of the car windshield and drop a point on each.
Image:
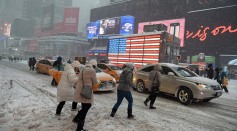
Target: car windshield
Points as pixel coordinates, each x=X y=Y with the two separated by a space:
x=97 y=70
x=113 y=67
x=184 y=72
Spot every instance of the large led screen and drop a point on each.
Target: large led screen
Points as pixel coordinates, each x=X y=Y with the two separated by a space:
x=110 y=26
x=93 y=29
x=174 y=26
x=127 y=25
x=141 y=50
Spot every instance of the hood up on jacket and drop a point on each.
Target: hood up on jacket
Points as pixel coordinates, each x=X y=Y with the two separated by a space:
x=157 y=67
x=129 y=65
x=76 y=64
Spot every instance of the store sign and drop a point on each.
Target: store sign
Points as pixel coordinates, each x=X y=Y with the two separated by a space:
x=205 y=32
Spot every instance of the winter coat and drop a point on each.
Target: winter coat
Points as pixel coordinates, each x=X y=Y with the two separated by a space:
x=155 y=75
x=89 y=79
x=125 y=81
x=65 y=90
x=210 y=73
x=58 y=63
x=224 y=79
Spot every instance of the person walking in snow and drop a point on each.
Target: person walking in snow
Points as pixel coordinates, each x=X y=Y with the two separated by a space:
x=87 y=77
x=123 y=90
x=57 y=64
x=155 y=81
x=65 y=90
x=224 y=80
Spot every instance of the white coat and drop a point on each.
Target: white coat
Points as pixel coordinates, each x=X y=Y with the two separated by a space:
x=65 y=90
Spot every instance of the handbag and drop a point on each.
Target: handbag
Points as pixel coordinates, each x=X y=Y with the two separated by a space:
x=86 y=90
x=155 y=86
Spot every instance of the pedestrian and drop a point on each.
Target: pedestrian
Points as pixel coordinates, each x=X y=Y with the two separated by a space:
x=69 y=61
x=33 y=60
x=210 y=71
x=57 y=64
x=65 y=90
x=30 y=63
x=217 y=75
x=155 y=81
x=86 y=77
x=123 y=90
x=224 y=80
x=197 y=71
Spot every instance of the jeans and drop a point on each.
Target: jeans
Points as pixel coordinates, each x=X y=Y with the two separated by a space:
x=120 y=96
x=62 y=103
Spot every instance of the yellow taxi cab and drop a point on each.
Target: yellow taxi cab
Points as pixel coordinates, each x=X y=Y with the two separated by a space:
x=111 y=69
x=105 y=81
x=43 y=66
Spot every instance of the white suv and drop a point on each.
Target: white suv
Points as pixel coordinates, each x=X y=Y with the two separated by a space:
x=180 y=82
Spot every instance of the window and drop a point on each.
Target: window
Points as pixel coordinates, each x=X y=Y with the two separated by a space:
x=148 y=69
x=166 y=70
x=102 y=66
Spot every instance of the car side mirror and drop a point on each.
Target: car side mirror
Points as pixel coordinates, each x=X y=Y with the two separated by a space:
x=171 y=74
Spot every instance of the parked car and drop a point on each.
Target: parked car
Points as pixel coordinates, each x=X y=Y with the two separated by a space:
x=106 y=82
x=111 y=69
x=180 y=82
x=43 y=66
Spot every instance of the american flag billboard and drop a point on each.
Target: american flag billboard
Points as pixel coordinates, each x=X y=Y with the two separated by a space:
x=141 y=50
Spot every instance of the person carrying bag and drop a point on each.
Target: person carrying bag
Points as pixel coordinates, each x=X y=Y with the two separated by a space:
x=155 y=75
x=86 y=79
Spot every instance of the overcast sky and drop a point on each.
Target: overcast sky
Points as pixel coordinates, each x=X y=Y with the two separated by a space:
x=85 y=7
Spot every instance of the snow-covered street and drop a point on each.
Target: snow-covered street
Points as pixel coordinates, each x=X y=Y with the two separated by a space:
x=29 y=103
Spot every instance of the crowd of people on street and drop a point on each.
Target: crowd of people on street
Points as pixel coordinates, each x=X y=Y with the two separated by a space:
x=76 y=77
x=219 y=74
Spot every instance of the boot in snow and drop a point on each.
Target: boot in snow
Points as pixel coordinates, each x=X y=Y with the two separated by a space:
x=80 y=125
x=130 y=116
x=146 y=101
x=113 y=112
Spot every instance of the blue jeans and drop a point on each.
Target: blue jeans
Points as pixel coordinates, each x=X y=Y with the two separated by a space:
x=120 y=96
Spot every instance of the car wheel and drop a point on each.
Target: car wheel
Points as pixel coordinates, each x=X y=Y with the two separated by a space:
x=185 y=96
x=207 y=100
x=140 y=86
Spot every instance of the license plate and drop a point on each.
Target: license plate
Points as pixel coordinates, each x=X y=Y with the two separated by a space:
x=108 y=86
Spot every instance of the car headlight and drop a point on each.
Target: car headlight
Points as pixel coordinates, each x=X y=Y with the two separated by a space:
x=201 y=85
x=114 y=80
x=98 y=80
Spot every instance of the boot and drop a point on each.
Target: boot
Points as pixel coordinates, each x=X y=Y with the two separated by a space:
x=152 y=103
x=113 y=112
x=146 y=101
x=130 y=116
x=80 y=125
x=76 y=119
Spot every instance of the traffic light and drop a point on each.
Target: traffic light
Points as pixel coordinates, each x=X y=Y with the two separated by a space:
x=178 y=57
x=170 y=39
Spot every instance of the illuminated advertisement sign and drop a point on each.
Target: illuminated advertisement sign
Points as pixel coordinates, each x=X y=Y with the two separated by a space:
x=93 y=29
x=109 y=26
x=141 y=50
x=174 y=26
x=127 y=25
x=70 y=21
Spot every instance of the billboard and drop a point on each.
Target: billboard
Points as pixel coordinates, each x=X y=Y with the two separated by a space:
x=22 y=28
x=47 y=17
x=141 y=50
x=174 y=26
x=70 y=21
x=110 y=26
x=126 y=25
x=93 y=29
x=212 y=32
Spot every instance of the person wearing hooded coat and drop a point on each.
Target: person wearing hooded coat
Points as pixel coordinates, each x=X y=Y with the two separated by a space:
x=87 y=77
x=65 y=90
x=123 y=90
x=154 y=79
x=57 y=64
